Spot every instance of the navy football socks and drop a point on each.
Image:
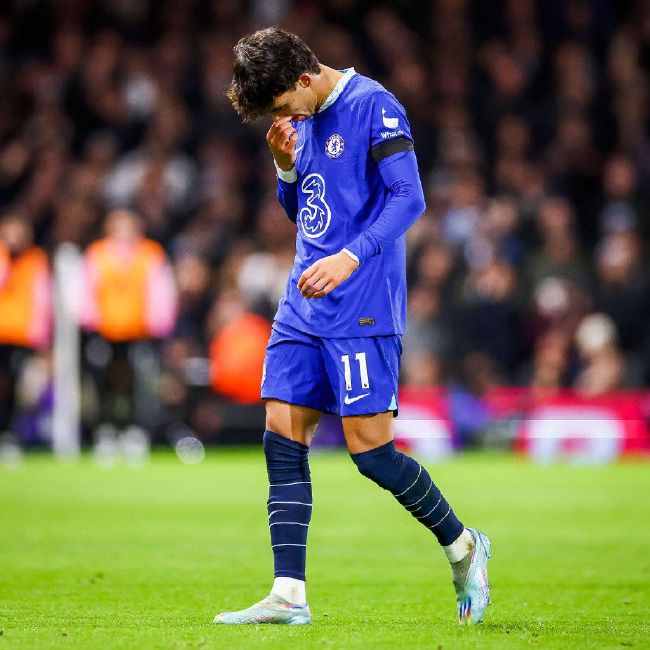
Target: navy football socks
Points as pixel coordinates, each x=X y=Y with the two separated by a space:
x=289 y=503
x=412 y=486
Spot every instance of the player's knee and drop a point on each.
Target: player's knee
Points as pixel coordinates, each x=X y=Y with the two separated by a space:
x=379 y=464
x=277 y=425
x=274 y=443
x=289 y=421
x=368 y=467
x=286 y=460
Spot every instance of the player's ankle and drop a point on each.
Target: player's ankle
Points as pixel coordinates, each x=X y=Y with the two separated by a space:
x=460 y=547
x=291 y=589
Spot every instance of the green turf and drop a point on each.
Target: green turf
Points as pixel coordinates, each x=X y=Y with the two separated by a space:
x=128 y=558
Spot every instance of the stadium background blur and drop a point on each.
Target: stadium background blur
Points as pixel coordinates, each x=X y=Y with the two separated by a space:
x=528 y=268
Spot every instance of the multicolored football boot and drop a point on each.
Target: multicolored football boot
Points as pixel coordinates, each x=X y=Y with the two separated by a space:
x=473 y=597
x=273 y=609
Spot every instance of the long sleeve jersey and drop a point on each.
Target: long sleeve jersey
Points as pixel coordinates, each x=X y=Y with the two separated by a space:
x=355 y=186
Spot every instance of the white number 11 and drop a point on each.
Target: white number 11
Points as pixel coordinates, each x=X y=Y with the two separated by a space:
x=363 y=370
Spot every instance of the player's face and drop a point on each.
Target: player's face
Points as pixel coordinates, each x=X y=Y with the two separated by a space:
x=299 y=103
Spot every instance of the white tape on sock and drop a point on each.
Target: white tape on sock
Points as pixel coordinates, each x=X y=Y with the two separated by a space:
x=457 y=550
x=291 y=589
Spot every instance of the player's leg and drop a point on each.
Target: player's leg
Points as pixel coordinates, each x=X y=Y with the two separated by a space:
x=296 y=390
x=367 y=370
x=7 y=385
x=289 y=431
x=370 y=442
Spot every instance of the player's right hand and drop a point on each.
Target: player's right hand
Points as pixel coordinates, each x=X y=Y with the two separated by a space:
x=282 y=138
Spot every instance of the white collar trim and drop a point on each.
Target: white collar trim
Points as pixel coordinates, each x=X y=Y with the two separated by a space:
x=338 y=89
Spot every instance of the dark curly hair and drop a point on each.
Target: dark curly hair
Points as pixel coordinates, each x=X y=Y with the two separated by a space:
x=267 y=63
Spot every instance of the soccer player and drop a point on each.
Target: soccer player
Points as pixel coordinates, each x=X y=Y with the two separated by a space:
x=348 y=178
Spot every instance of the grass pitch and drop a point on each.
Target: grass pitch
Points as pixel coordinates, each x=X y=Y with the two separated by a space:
x=144 y=558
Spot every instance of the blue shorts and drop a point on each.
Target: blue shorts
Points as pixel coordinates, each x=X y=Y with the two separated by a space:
x=356 y=376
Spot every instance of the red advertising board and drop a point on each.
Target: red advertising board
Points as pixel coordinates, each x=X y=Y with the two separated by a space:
x=549 y=426
x=423 y=425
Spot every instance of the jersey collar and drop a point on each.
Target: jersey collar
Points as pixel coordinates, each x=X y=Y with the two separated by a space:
x=348 y=73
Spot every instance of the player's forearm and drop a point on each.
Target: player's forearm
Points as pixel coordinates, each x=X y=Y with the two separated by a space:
x=288 y=197
x=404 y=206
x=281 y=138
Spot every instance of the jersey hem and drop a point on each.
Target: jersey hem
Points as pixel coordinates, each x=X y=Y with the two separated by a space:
x=344 y=335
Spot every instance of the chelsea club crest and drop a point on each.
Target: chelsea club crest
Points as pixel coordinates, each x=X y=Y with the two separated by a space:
x=334 y=146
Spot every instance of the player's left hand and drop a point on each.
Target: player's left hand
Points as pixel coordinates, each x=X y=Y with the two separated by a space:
x=325 y=275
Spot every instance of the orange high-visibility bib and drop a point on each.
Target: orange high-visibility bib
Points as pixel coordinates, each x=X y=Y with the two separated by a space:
x=19 y=295
x=120 y=287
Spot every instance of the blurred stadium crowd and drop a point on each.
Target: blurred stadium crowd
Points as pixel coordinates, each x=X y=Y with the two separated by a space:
x=532 y=132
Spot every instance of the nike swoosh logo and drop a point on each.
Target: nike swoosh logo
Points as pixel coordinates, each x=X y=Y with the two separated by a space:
x=350 y=400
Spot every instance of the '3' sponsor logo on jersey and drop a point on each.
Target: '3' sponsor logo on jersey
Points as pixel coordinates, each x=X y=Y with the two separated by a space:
x=315 y=217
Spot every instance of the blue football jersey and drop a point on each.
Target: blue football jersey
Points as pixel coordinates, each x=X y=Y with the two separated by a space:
x=340 y=193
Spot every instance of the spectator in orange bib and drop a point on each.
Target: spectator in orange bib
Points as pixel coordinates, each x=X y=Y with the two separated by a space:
x=25 y=318
x=237 y=349
x=129 y=301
